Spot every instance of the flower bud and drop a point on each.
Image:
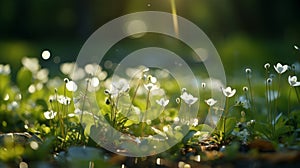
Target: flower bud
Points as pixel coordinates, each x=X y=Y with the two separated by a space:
x=267 y=66
x=177 y=100
x=66 y=80
x=248 y=71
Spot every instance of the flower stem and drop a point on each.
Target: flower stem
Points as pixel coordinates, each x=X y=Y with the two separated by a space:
x=251 y=94
x=211 y=117
x=81 y=133
x=59 y=116
x=147 y=106
x=276 y=100
x=134 y=95
x=267 y=94
x=224 y=119
x=289 y=101
x=115 y=111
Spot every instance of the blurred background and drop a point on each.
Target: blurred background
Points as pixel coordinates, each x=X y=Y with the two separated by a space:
x=246 y=33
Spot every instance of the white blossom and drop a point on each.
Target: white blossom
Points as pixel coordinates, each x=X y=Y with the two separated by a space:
x=188 y=98
x=210 y=101
x=151 y=86
x=228 y=92
x=64 y=100
x=163 y=102
x=293 y=81
x=95 y=82
x=71 y=86
x=119 y=87
x=50 y=114
x=280 y=69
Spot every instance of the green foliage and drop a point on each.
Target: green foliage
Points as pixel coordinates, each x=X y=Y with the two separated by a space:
x=62 y=119
x=24 y=79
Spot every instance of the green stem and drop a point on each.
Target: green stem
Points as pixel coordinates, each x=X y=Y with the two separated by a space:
x=289 y=101
x=269 y=96
x=276 y=100
x=59 y=116
x=251 y=94
x=148 y=99
x=134 y=95
x=115 y=110
x=82 y=110
x=224 y=118
x=51 y=123
x=147 y=106
x=276 y=103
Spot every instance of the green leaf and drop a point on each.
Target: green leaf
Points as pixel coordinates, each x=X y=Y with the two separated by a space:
x=204 y=128
x=5 y=80
x=24 y=79
x=129 y=123
x=188 y=136
x=230 y=125
x=283 y=130
x=264 y=129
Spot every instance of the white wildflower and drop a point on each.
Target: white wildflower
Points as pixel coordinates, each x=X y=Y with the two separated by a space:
x=293 y=81
x=64 y=100
x=95 y=82
x=151 y=86
x=71 y=86
x=280 y=69
x=188 y=98
x=228 y=92
x=119 y=87
x=210 y=101
x=50 y=114
x=163 y=102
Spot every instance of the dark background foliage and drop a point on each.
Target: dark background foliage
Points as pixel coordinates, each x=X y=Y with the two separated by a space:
x=245 y=33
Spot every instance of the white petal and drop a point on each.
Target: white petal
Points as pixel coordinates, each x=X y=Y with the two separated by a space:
x=71 y=86
x=95 y=82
